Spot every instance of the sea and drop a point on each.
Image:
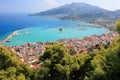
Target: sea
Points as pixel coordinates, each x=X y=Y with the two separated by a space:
x=38 y=28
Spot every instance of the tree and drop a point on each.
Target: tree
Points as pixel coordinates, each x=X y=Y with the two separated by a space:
x=72 y=51
x=84 y=67
x=106 y=63
x=98 y=64
x=58 y=64
x=118 y=25
x=113 y=61
x=11 y=68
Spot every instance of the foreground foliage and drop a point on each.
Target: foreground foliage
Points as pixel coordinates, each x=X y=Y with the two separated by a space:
x=99 y=65
x=118 y=25
x=11 y=68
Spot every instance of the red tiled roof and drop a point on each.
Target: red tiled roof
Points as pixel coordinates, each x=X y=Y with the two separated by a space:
x=35 y=66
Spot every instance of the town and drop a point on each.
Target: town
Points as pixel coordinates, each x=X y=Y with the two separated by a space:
x=30 y=52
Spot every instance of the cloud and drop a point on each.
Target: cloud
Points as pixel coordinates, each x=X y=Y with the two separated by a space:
x=48 y=4
x=51 y=2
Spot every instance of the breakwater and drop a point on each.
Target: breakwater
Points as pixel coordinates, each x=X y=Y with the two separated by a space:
x=7 y=39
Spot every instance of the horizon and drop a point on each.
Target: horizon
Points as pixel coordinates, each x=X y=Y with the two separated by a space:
x=29 y=6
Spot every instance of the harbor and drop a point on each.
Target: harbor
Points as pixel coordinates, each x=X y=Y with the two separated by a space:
x=37 y=34
x=13 y=34
x=7 y=39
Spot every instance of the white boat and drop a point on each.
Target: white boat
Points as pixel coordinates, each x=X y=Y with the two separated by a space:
x=26 y=31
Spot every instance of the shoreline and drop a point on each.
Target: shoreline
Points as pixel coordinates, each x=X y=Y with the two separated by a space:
x=30 y=52
x=2 y=42
x=58 y=41
x=7 y=39
x=109 y=25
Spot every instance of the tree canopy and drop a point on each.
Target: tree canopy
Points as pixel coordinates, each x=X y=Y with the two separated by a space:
x=99 y=65
x=118 y=25
x=11 y=68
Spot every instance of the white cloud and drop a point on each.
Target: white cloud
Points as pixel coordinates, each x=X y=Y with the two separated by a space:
x=48 y=4
x=51 y=2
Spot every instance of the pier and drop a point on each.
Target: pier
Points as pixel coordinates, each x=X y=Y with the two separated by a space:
x=8 y=37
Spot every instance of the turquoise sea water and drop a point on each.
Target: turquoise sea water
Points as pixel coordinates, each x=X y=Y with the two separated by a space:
x=42 y=29
x=52 y=34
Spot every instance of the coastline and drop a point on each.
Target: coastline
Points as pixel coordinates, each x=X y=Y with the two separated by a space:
x=22 y=34
x=8 y=37
x=30 y=52
x=107 y=24
x=97 y=24
x=58 y=41
x=14 y=33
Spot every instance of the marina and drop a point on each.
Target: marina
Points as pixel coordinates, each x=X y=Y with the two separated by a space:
x=7 y=39
x=13 y=34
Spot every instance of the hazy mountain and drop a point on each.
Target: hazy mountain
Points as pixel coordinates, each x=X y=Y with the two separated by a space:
x=81 y=11
x=73 y=9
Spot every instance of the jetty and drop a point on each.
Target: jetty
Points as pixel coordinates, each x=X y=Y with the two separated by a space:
x=15 y=33
x=7 y=39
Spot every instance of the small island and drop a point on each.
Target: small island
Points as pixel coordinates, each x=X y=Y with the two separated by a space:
x=60 y=28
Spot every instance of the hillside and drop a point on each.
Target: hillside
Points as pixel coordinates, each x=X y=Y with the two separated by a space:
x=73 y=9
x=82 y=12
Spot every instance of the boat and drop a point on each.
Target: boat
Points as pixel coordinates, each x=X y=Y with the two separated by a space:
x=8 y=41
x=26 y=31
x=81 y=29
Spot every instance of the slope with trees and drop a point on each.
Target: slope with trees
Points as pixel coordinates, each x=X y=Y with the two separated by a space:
x=11 y=68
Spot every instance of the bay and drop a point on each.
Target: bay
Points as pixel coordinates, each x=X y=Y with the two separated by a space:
x=43 y=29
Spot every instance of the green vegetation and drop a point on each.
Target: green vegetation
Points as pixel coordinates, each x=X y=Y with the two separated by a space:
x=58 y=64
x=99 y=65
x=11 y=68
x=118 y=25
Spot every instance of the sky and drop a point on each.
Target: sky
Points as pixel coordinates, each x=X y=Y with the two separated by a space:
x=33 y=6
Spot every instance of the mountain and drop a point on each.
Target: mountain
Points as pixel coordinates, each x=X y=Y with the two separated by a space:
x=73 y=9
x=117 y=13
x=82 y=12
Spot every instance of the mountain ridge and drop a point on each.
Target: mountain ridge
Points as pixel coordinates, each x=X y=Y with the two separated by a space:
x=73 y=8
x=82 y=12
